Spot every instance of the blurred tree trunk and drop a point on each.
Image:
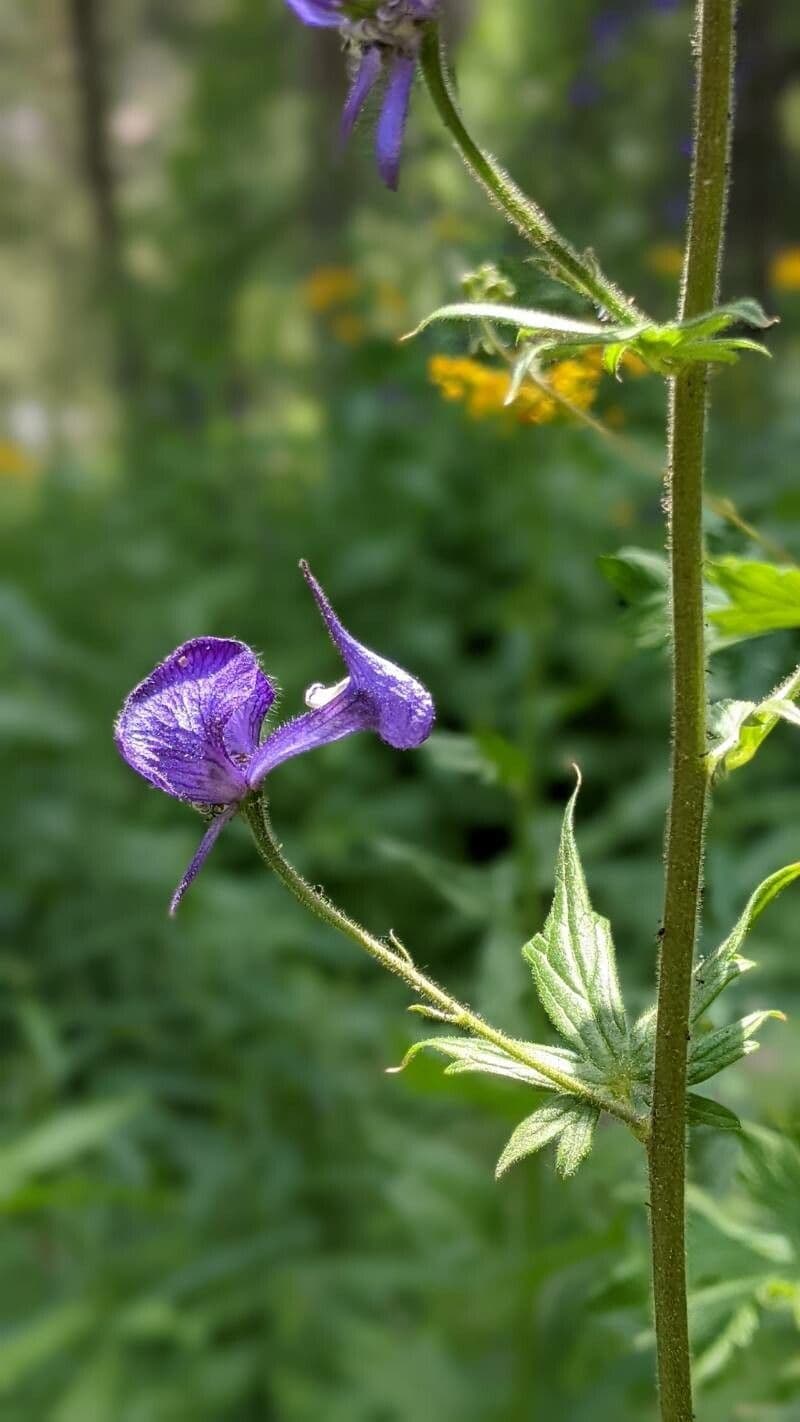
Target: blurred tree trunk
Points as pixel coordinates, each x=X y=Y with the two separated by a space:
x=90 y=76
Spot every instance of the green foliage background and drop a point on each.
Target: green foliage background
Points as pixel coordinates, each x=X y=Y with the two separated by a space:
x=213 y=1203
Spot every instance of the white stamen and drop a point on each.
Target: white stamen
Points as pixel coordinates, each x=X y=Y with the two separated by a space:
x=318 y=695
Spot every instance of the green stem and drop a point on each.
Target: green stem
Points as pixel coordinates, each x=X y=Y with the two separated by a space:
x=577 y=271
x=398 y=961
x=688 y=412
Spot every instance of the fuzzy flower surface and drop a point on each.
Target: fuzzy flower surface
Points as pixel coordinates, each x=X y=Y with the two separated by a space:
x=383 y=38
x=193 y=728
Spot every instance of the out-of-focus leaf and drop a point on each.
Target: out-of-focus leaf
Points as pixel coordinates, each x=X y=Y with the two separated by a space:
x=641 y=579
x=32 y=1344
x=574 y=964
x=766 y=1244
x=62 y=1138
x=738 y=1333
x=761 y=597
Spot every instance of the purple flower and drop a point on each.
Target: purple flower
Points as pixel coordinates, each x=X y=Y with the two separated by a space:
x=193 y=727
x=383 y=38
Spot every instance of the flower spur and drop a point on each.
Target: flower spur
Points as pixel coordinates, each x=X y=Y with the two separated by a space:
x=193 y=727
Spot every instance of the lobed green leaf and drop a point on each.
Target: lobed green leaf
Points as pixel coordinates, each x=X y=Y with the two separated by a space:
x=574 y=964
x=572 y=1122
x=472 y=1054
x=717 y=1050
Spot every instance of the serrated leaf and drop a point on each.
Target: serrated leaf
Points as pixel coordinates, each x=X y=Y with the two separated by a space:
x=574 y=964
x=714 y=973
x=702 y=1111
x=762 y=597
x=536 y=1131
x=739 y=728
x=663 y=347
x=718 y=1050
x=472 y=1054
x=576 y=1138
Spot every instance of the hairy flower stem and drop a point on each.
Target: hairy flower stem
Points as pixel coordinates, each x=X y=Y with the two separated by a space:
x=398 y=961
x=688 y=412
x=580 y=272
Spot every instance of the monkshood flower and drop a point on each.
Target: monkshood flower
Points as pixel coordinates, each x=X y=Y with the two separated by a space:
x=383 y=38
x=193 y=727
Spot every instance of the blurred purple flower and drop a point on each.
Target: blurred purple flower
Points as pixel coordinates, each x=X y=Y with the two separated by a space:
x=383 y=37
x=193 y=727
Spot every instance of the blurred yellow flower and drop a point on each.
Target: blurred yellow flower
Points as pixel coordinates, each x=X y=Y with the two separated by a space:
x=348 y=328
x=483 y=388
x=328 y=287
x=665 y=259
x=390 y=299
x=784 y=269
x=16 y=463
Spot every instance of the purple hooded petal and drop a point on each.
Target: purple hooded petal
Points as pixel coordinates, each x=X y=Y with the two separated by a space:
x=317 y=12
x=366 y=77
x=204 y=849
x=403 y=708
x=375 y=696
x=194 y=723
x=392 y=122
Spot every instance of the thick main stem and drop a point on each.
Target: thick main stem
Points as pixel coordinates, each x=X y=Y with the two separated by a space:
x=688 y=413
x=578 y=271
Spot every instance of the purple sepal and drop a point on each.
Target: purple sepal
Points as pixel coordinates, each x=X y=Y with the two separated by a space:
x=204 y=848
x=191 y=727
x=324 y=13
x=375 y=696
x=366 y=77
x=393 y=117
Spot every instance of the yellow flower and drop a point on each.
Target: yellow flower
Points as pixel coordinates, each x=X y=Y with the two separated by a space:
x=784 y=269
x=483 y=388
x=328 y=287
x=665 y=259
x=348 y=328
x=15 y=463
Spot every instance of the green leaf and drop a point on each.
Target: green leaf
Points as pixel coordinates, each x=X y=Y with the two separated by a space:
x=664 y=348
x=762 y=597
x=472 y=1054
x=525 y=319
x=737 y=1333
x=714 y=973
x=641 y=580
x=32 y=1344
x=574 y=964
x=702 y=1111
x=60 y=1139
x=558 y=1118
x=576 y=1138
x=713 y=1052
x=739 y=728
